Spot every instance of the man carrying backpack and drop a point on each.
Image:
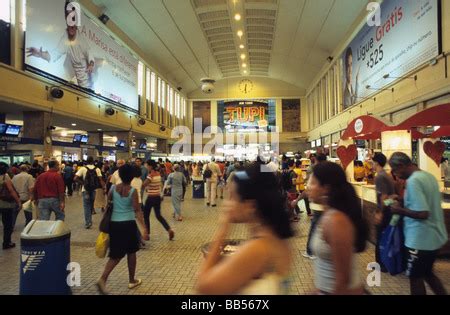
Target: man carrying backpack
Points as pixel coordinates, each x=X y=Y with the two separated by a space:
x=91 y=179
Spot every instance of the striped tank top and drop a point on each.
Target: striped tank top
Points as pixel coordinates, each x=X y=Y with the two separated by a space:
x=154 y=188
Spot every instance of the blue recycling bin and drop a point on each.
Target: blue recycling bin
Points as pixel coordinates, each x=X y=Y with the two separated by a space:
x=45 y=256
x=198 y=189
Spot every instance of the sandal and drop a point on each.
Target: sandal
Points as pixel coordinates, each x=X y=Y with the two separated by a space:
x=132 y=286
x=101 y=287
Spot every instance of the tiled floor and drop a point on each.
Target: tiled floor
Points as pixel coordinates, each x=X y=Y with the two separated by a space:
x=170 y=268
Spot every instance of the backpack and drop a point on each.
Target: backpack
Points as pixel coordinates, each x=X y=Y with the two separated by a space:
x=286 y=180
x=207 y=174
x=91 y=181
x=5 y=194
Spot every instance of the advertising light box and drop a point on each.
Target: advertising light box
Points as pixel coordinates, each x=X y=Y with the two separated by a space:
x=402 y=36
x=63 y=43
x=247 y=116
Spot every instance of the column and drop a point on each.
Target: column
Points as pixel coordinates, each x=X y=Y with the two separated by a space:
x=162 y=145
x=127 y=154
x=36 y=126
x=95 y=138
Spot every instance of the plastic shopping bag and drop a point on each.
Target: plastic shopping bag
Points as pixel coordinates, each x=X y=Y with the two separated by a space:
x=28 y=206
x=102 y=245
x=391 y=248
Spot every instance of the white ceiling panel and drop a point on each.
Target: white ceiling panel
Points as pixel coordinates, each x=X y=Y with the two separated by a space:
x=187 y=40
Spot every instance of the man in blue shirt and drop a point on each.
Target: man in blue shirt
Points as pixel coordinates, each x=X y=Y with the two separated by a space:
x=424 y=227
x=143 y=168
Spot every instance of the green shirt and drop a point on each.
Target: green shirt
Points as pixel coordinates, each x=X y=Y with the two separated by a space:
x=423 y=194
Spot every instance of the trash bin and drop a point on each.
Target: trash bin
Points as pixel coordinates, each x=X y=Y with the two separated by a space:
x=45 y=255
x=198 y=190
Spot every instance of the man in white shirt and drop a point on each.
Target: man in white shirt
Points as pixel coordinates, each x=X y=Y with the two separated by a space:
x=75 y=47
x=91 y=178
x=211 y=183
x=115 y=178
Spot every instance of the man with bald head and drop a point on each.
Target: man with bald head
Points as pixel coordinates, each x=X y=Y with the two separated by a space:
x=115 y=178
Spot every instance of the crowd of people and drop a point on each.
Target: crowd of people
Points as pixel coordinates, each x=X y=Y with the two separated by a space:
x=265 y=196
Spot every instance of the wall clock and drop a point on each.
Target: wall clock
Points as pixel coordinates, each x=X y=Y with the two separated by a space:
x=246 y=86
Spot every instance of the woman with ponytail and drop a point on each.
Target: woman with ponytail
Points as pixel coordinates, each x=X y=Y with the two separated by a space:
x=340 y=234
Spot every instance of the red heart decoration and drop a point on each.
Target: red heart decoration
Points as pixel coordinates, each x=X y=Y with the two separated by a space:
x=347 y=155
x=434 y=150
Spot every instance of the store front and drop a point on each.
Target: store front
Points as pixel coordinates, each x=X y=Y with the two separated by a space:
x=424 y=137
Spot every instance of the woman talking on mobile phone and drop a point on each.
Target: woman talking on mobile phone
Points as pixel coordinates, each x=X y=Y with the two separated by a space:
x=261 y=265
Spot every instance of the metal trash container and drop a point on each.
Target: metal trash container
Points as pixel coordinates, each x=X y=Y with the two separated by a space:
x=45 y=255
x=198 y=189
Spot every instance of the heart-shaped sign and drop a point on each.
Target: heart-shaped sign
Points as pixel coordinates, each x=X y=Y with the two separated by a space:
x=347 y=155
x=434 y=150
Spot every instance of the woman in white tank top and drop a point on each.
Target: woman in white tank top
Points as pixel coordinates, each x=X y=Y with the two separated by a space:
x=341 y=233
x=261 y=265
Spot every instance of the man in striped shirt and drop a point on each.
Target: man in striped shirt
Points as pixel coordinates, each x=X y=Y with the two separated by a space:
x=152 y=186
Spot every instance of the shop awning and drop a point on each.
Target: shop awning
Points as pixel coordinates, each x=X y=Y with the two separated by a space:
x=434 y=116
x=364 y=128
x=442 y=132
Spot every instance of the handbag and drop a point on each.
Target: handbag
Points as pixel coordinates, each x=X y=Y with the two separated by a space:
x=5 y=194
x=102 y=245
x=106 y=220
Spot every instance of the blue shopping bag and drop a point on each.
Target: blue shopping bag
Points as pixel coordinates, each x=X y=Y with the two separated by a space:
x=392 y=247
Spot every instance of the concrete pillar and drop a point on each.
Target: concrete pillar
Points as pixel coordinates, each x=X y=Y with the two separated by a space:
x=36 y=126
x=128 y=137
x=95 y=138
x=162 y=146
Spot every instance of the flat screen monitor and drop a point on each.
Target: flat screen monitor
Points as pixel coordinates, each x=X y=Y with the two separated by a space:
x=121 y=144
x=77 y=139
x=143 y=146
x=2 y=129
x=84 y=139
x=13 y=130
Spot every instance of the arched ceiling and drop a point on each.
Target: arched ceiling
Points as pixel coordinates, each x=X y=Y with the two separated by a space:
x=287 y=40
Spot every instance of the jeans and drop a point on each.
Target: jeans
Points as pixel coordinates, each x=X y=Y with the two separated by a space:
x=49 y=205
x=154 y=202
x=308 y=208
x=68 y=182
x=7 y=219
x=315 y=220
x=211 y=191
x=88 y=205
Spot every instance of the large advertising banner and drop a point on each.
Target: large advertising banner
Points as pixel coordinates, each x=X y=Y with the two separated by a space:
x=64 y=42
x=406 y=38
x=248 y=116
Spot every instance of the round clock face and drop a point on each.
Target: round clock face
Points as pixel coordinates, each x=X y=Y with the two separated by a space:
x=246 y=86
